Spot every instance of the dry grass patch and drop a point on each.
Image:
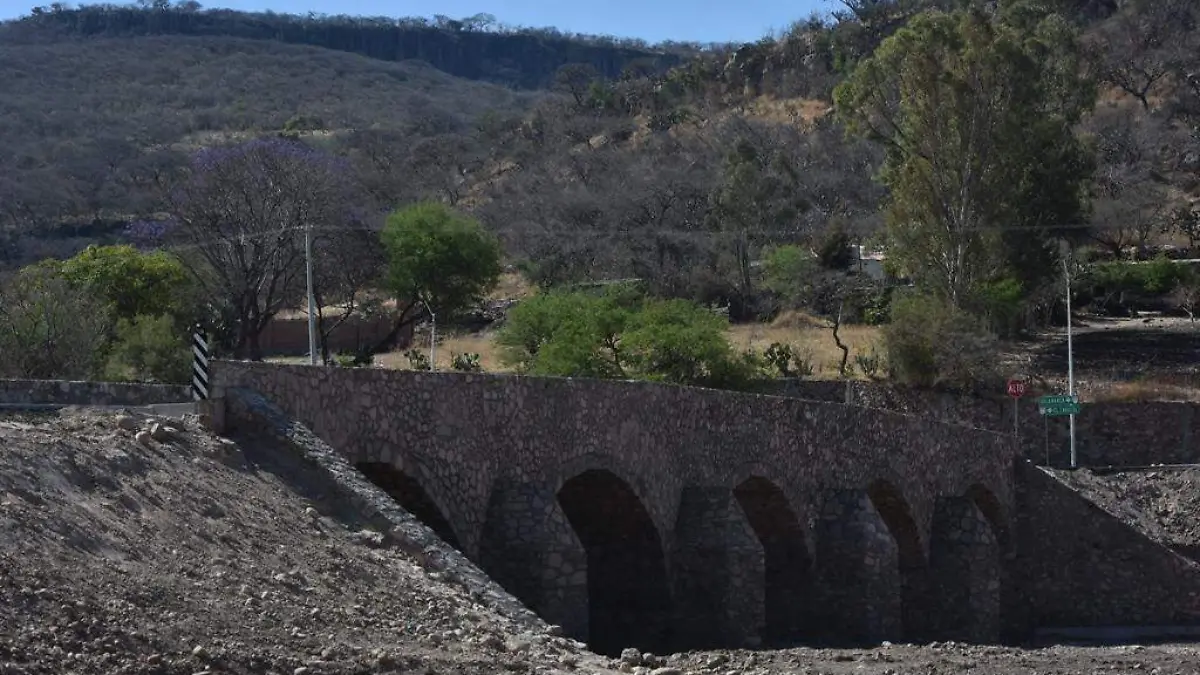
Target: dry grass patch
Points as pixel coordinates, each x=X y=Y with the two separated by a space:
x=512 y=286
x=1140 y=391
x=448 y=346
x=813 y=338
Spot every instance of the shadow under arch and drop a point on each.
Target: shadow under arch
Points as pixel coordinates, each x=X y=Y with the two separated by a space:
x=894 y=511
x=409 y=494
x=629 y=598
x=788 y=568
x=968 y=539
x=989 y=505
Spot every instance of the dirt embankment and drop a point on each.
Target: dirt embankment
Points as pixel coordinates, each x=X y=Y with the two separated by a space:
x=1163 y=503
x=194 y=554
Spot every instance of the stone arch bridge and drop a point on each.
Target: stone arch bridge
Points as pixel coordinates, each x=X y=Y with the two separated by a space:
x=660 y=517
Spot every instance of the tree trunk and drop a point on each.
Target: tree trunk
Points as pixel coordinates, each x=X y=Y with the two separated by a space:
x=837 y=324
x=403 y=320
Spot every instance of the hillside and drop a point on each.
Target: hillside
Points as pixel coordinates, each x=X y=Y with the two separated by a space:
x=619 y=170
x=473 y=48
x=89 y=124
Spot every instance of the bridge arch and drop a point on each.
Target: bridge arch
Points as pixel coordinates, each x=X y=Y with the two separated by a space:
x=407 y=486
x=787 y=563
x=628 y=591
x=993 y=510
x=895 y=512
x=967 y=547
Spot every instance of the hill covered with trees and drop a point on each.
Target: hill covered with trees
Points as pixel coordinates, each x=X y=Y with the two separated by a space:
x=476 y=47
x=732 y=176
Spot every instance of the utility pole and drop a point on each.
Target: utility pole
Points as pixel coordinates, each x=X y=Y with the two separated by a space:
x=312 y=300
x=432 y=336
x=1070 y=360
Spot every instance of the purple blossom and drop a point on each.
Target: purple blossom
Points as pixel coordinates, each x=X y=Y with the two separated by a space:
x=146 y=234
x=270 y=149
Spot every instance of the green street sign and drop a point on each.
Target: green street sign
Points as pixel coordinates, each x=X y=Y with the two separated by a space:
x=1059 y=406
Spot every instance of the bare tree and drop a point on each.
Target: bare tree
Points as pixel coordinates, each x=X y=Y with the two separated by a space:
x=348 y=268
x=241 y=213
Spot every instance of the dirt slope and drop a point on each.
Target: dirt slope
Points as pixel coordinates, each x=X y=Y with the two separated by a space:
x=197 y=555
x=1163 y=503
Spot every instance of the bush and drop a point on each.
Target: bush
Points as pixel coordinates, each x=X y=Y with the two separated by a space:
x=790 y=272
x=870 y=364
x=1000 y=302
x=466 y=363
x=617 y=334
x=352 y=360
x=50 y=329
x=932 y=344
x=417 y=360
x=150 y=348
x=833 y=251
x=787 y=362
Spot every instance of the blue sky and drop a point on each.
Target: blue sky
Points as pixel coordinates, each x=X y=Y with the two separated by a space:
x=651 y=20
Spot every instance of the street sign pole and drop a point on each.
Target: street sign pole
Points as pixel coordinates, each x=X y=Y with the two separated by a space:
x=1017 y=388
x=1070 y=361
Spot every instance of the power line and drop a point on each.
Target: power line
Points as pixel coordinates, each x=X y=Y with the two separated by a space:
x=533 y=232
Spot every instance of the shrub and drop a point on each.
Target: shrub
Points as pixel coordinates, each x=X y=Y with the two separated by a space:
x=787 y=362
x=353 y=360
x=467 y=363
x=790 y=272
x=1000 y=302
x=870 y=364
x=834 y=250
x=618 y=334
x=930 y=343
x=50 y=329
x=150 y=348
x=417 y=360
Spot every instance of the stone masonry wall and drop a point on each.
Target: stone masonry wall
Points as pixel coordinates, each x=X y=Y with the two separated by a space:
x=885 y=502
x=458 y=434
x=1077 y=565
x=67 y=392
x=635 y=514
x=1107 y=433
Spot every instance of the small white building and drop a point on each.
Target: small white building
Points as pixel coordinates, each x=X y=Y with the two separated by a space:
x=869 y=262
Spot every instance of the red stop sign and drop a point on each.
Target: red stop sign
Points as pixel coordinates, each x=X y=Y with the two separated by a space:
x=1016 y=388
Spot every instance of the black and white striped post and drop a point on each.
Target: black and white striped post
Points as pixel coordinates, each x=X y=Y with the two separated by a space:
x=199 y=365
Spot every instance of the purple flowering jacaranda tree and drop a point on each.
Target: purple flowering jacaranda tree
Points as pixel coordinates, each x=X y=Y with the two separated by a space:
x=240 y=214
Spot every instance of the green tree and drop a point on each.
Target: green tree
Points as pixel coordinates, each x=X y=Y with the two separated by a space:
x=131 y=282
x=567 y=334
x=975 y=111
x=616 y=335
x=680 y=342
x=792 y=273
x=436 y=258
x=49 y=329
x=932 y=343
x=149 y=348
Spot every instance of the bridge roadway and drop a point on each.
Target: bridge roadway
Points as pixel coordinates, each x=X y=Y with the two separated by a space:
x=635 y=514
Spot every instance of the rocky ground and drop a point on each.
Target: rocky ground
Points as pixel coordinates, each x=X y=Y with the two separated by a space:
x=183 y=553
x=1163 y=502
